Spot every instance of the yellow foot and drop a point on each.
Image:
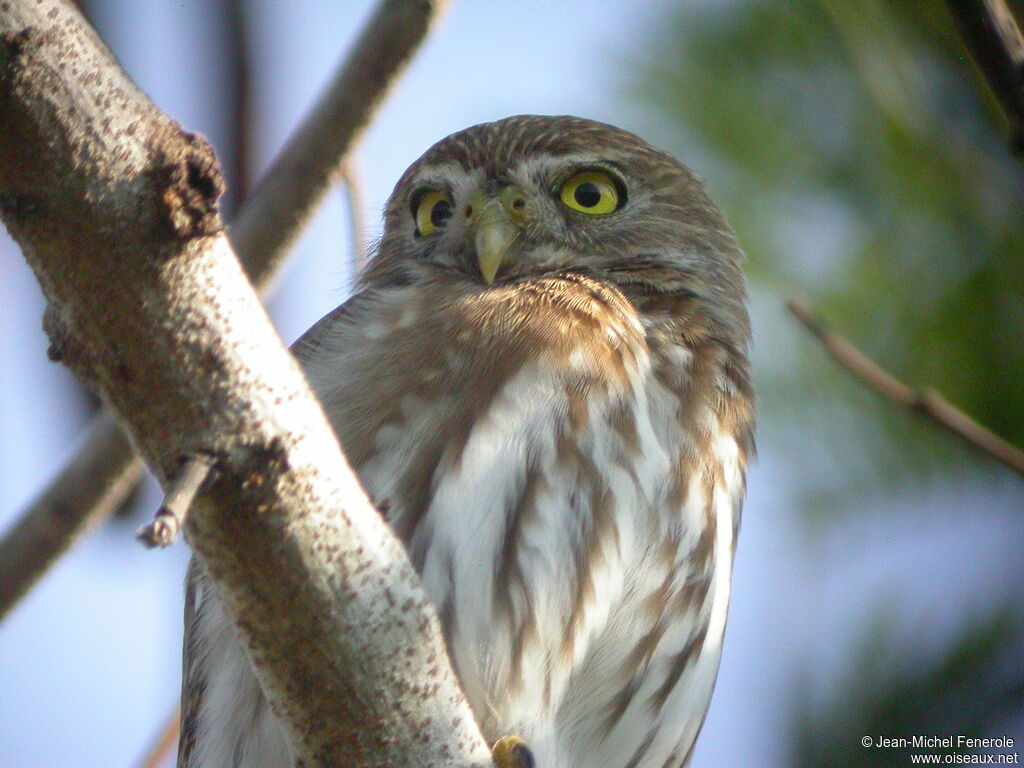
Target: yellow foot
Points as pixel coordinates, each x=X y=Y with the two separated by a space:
x=512 y=752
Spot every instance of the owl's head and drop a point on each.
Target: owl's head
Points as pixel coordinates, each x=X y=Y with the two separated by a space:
x=535 y=195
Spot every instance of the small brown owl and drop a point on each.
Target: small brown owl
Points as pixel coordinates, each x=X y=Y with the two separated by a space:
x=542 y=381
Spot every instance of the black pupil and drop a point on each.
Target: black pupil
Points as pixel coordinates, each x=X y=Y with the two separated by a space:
x=587 y=195
x=440 y=213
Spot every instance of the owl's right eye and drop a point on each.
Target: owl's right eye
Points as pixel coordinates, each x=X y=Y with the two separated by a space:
x=431 y=209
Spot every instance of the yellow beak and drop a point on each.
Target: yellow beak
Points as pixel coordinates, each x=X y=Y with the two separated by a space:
x=495 y=228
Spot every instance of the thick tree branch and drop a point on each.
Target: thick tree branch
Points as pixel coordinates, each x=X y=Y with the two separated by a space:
x=929 y=404
x=68 y=507
x=114 y=207
x=990 y=32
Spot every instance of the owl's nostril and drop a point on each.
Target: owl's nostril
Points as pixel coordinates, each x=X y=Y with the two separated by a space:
x=469 y=211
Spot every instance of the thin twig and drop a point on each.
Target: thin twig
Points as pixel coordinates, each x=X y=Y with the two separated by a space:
x=352 y=181
x=164 y=743
x=991 y=33
x=928 y=403
x=104 y=470
x=170 y=517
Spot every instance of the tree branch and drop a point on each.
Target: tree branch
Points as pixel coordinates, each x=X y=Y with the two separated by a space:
x=104 y=471
x=114 y=207
x=929 y=404
x=990 y=32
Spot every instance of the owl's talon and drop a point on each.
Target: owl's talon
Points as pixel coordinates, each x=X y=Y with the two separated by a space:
x=512 y=752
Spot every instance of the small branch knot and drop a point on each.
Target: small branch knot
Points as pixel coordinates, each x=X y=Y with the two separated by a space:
x=56 y=329
x=13 y=43
x=193 y=185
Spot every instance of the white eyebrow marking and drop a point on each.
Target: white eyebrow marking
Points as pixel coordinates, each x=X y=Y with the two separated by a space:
x=449 y=176
x=446 y=172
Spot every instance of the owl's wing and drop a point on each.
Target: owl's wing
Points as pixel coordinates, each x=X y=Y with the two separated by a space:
x=318 y=335
x=192 y=683
x=225 y=719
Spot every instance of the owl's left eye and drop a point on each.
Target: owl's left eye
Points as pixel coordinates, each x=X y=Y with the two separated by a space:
x=431 y=209
x=592 y=192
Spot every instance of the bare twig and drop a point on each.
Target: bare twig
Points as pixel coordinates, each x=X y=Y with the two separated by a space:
x=164 y=743
x=105 y=458
x=929 y=404
x=992 y=35
x=162 y=321
x=170 y=517
x=353 y=183
x=88 y=490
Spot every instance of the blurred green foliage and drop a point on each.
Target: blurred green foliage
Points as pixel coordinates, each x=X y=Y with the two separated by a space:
x=971 y=691
x=865 y=167
x=860 y=158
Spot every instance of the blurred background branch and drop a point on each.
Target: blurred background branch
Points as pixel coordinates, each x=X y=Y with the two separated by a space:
x=306 y=167
x=164 y=743
x=929 y=404
x=87 y=491
x=992 y=35
x=352 y=183
x=237 y=162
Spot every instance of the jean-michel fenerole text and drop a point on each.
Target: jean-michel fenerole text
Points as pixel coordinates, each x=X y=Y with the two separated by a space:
x=943 y=742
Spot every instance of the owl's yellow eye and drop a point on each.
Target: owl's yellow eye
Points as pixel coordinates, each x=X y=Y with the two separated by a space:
x=432 y=209
x=591 y=192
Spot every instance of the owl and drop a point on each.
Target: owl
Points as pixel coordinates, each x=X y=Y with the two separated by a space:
x=541 y=380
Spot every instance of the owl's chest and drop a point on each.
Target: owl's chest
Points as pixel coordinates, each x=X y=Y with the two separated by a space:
x=413 y=378
x=485 y=390
x=512 y=495
x=539 y=477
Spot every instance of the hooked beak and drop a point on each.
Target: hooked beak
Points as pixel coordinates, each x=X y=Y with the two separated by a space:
x=495 y=228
